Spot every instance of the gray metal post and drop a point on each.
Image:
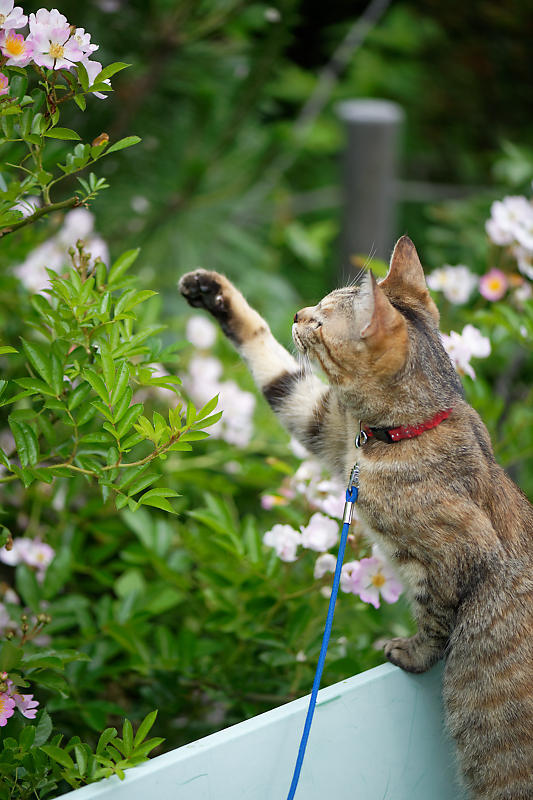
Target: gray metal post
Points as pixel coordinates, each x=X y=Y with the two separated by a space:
x=368 y=179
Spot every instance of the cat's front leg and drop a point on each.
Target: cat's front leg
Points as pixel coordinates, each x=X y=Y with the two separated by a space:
x=416 y=653
x=296 y=396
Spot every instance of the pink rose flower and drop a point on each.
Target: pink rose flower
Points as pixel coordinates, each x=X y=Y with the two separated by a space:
x=11 y=17
x=7 y=708
x=19 y=51
x=374 y=578
x=493 y=285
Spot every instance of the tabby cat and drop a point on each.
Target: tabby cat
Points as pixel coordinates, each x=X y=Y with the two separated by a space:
x=454 y=526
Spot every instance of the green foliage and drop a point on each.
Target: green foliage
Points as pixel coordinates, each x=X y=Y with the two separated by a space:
x=42 y=762
x=85 y=362
x=160 y=592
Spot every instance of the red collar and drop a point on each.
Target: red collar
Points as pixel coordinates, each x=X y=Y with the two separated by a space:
x=406 y=431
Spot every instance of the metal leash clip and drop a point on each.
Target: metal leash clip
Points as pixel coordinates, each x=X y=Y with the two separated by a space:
x=352 y=492
x=361 y=438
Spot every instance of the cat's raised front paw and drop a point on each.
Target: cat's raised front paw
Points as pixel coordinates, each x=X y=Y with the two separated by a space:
x=411 y=654
x=203 y=289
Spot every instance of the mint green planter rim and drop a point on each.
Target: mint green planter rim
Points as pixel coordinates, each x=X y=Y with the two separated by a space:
x=377 y=736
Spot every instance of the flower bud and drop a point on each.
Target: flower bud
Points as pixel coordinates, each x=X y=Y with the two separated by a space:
x=102 y=139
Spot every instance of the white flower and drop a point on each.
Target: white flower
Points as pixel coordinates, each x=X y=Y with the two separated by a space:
x=525 y=261
x=201 y=332
x=38 y=554
x=78 y=224
x=28 y=551
x=84 y=41
x=456 y=283
x=203 y=371
x=140 y=203
x=53 y=253
x=27 y=205
x=272 y=14
x=94 y=68
x=349 y=569
x=324 y=564
x=511 y=221
x=32 y=272
x=461 y=348
x=523 y=292
x=285 y=540
x=478 y=344
x=373 y=578
x=54 y=46
x=300 y=656
x=320 y=533
x=11 y=17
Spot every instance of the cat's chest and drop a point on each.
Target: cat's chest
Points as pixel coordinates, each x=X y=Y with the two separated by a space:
x=390 y=503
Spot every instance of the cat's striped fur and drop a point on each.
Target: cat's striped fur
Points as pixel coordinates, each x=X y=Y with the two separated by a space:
x=457 y=530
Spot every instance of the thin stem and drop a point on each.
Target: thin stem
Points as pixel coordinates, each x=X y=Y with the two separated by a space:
x=72 y=202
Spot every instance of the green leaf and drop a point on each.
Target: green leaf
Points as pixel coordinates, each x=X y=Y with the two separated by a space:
x=123 y=404
x=157 y=502
x=10 y=656
x=81 y=758
x=82 y=75
x=36 y=386
x=39 y=360
x=44 y=729
x=122 y=264
x=57 y=573
x=144 y=728
x=205 y=423
x=80 y=393
x=7 y=349
x=26 y=442
x=27 y=737
x=108 y=365
x=105 y=738
x=97 y=383
x=208 y=408
x=55 y=682
x=80 y=101
x=111 y=70
x=127 y=737
x=59 y=755
x=120 y=384
x=129 y=418
x=62 y=133
x=128 y=141
x=27 y=587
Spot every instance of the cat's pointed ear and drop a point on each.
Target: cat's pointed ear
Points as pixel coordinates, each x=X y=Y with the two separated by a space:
x=406 y=278
x=381 y=319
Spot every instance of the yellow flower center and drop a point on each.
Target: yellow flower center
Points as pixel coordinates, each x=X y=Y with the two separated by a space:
x=378 y=580
x=56 y=50
x=495 y=284
x=2 y=702
x=2 y=19
x=14 y=44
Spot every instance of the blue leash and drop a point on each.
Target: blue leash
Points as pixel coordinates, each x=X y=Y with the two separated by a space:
x=352 y=492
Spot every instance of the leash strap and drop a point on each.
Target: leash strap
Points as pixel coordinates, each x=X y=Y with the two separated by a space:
x=351 y=497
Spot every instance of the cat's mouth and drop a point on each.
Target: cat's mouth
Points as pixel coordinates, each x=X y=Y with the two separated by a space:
x=297 y=339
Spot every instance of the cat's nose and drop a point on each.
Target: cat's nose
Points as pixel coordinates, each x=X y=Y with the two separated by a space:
x=304 y=314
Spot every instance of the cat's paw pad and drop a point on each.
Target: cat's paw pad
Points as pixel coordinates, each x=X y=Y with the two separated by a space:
x=203 y=289
x=407 y=654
